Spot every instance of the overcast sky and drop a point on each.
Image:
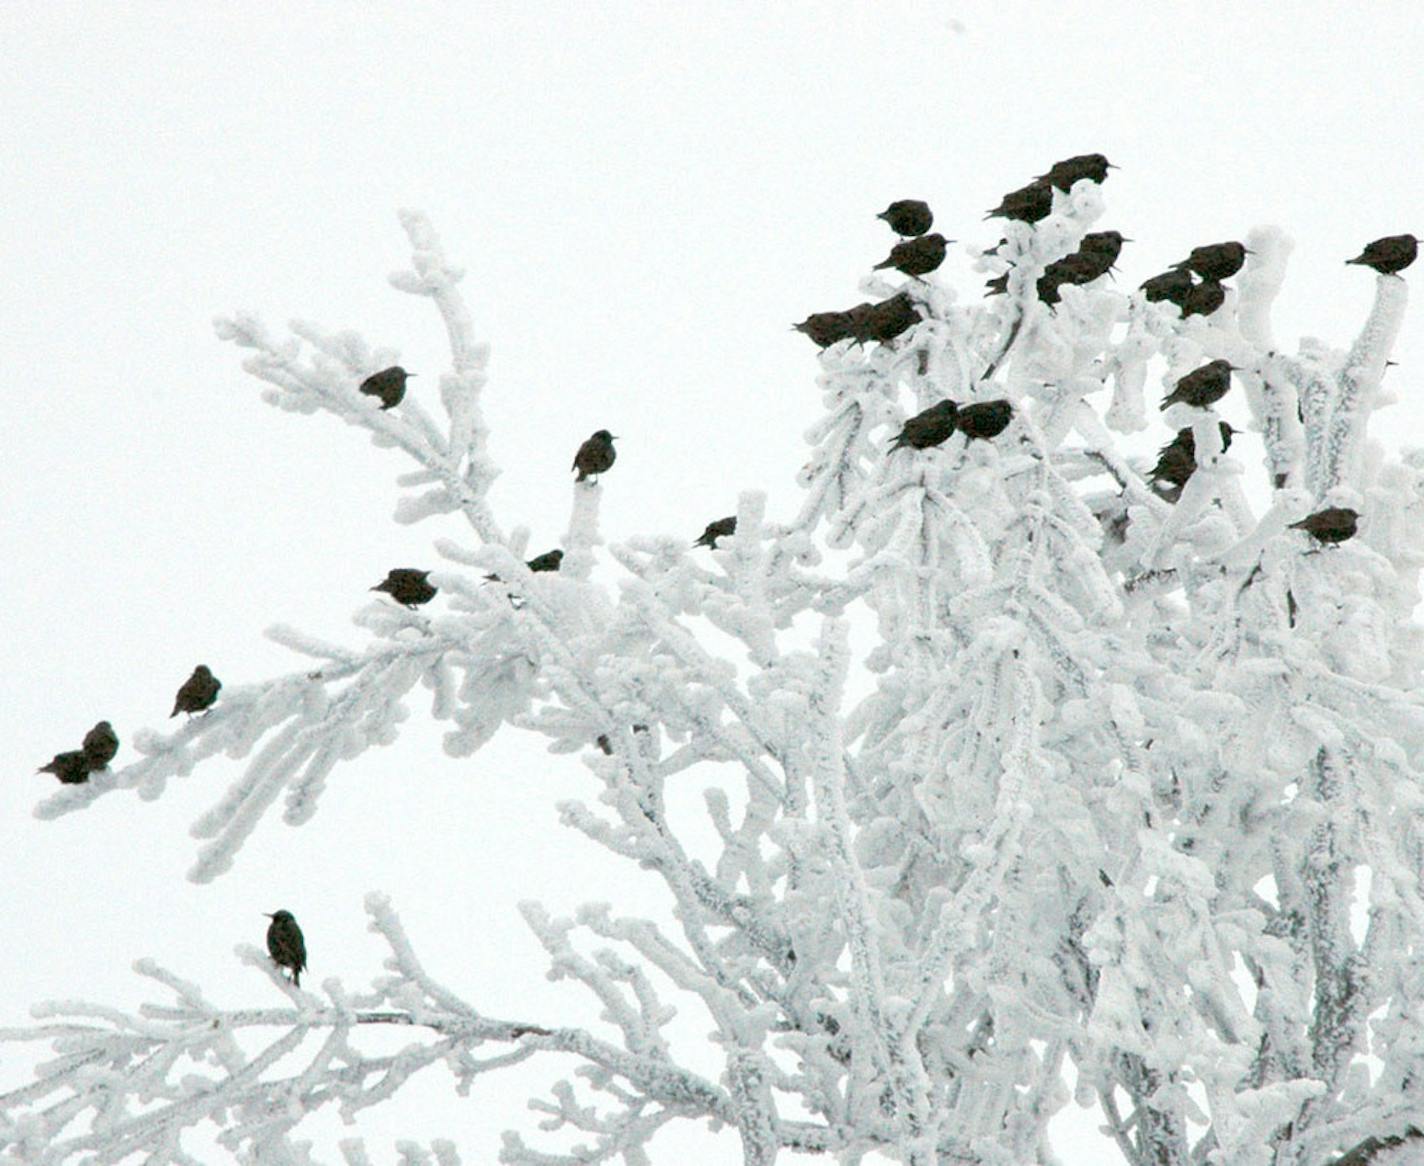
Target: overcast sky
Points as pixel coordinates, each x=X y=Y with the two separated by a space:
x=645 y=196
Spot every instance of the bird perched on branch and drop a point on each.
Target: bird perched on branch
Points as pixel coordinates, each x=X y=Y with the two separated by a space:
x=1027 y=204
x=548 y=561
x=886 y=320
x=1177 y=460
x=928 y=428
x=71 y=768
x=1390 y=255
x=595 y=455
x=388 y=385
x=407 y=585
x=1203 y=386
x=1215 y=261
x=722 y=528
x=100 y=746
x=1332 y=525
x=1204 y=299
x=984 y=419
x=826 y=328
x=908 y=216
x=917 y=256
x=1065 y=173
x=1174 y=286
x=197 y=693
x=286 y=945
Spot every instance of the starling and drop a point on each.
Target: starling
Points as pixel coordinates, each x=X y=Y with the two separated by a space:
x=286 y=946
x=917 y=256
x=1389 y=255
x=407 y=585
x=1102 y=246
x=1176 y=461
x=71 y=768
x=1204 y=299
x=1063 y=174
x=722 y=528
x=548 y=561
x=1028 y=204
x=1203 y=386
x=929 y=428
x=1174 y=286
x=1332 y=525
x=595 y=455
x=388 y=384
x=886 y=320
x=908 y=216
x=100 y=745
x=1215 y=261
x=984 y=419
x=826 y=328
x=198 y=692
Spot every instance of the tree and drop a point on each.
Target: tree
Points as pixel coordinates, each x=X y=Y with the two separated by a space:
x=1101 y=793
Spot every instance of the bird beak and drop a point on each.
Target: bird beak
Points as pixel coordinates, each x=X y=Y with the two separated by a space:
x=1114 y=166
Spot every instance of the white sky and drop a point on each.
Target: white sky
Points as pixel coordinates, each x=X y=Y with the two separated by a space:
x=645 y=197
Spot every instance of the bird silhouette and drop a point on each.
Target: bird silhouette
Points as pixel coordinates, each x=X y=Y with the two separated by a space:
x=1390 y=255
x=1203 y=386
x=595 y=455
x=548 y=561
x=908 y=216
x=1176 y=461
x=1174 y=286
x=286 y=945
x=407 y=585
x=984 y=419
x=722 y=528
x=1215 y=261
x=1065 y=173
x=100 y=745
x=1204 y=299
x=1332 y=525
x=388 y=385
x=886 y=320
x=917 y=256
x=1028 y=204
x=826 y=328
x=71 y=768
x=928 y=428
x=197 y=692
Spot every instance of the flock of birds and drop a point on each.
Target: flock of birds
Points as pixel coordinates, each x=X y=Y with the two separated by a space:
x=1194 y=285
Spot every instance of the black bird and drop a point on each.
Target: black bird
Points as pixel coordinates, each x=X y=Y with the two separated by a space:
x=1104 y=246
x=100 y=745
x=908 y=216
x=388 y=384
x=286 y=945
x=1204 y=299
x=407 y=585
x=1203 y=386
x=928 y=428
x=886 y=320
x=984 y=419
x=548 y=561
x=595 y=455
x=1215 y=261
x=71 y=768
x=1063 y=174
x=1174 y=286
x=826 y=328
x=1028 y=204
x=1332 y=525
x=198 y=692
x=722 y=528
x=1095 y=256
x=917 y=256
x=1177 y=460
x=1389 y=255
